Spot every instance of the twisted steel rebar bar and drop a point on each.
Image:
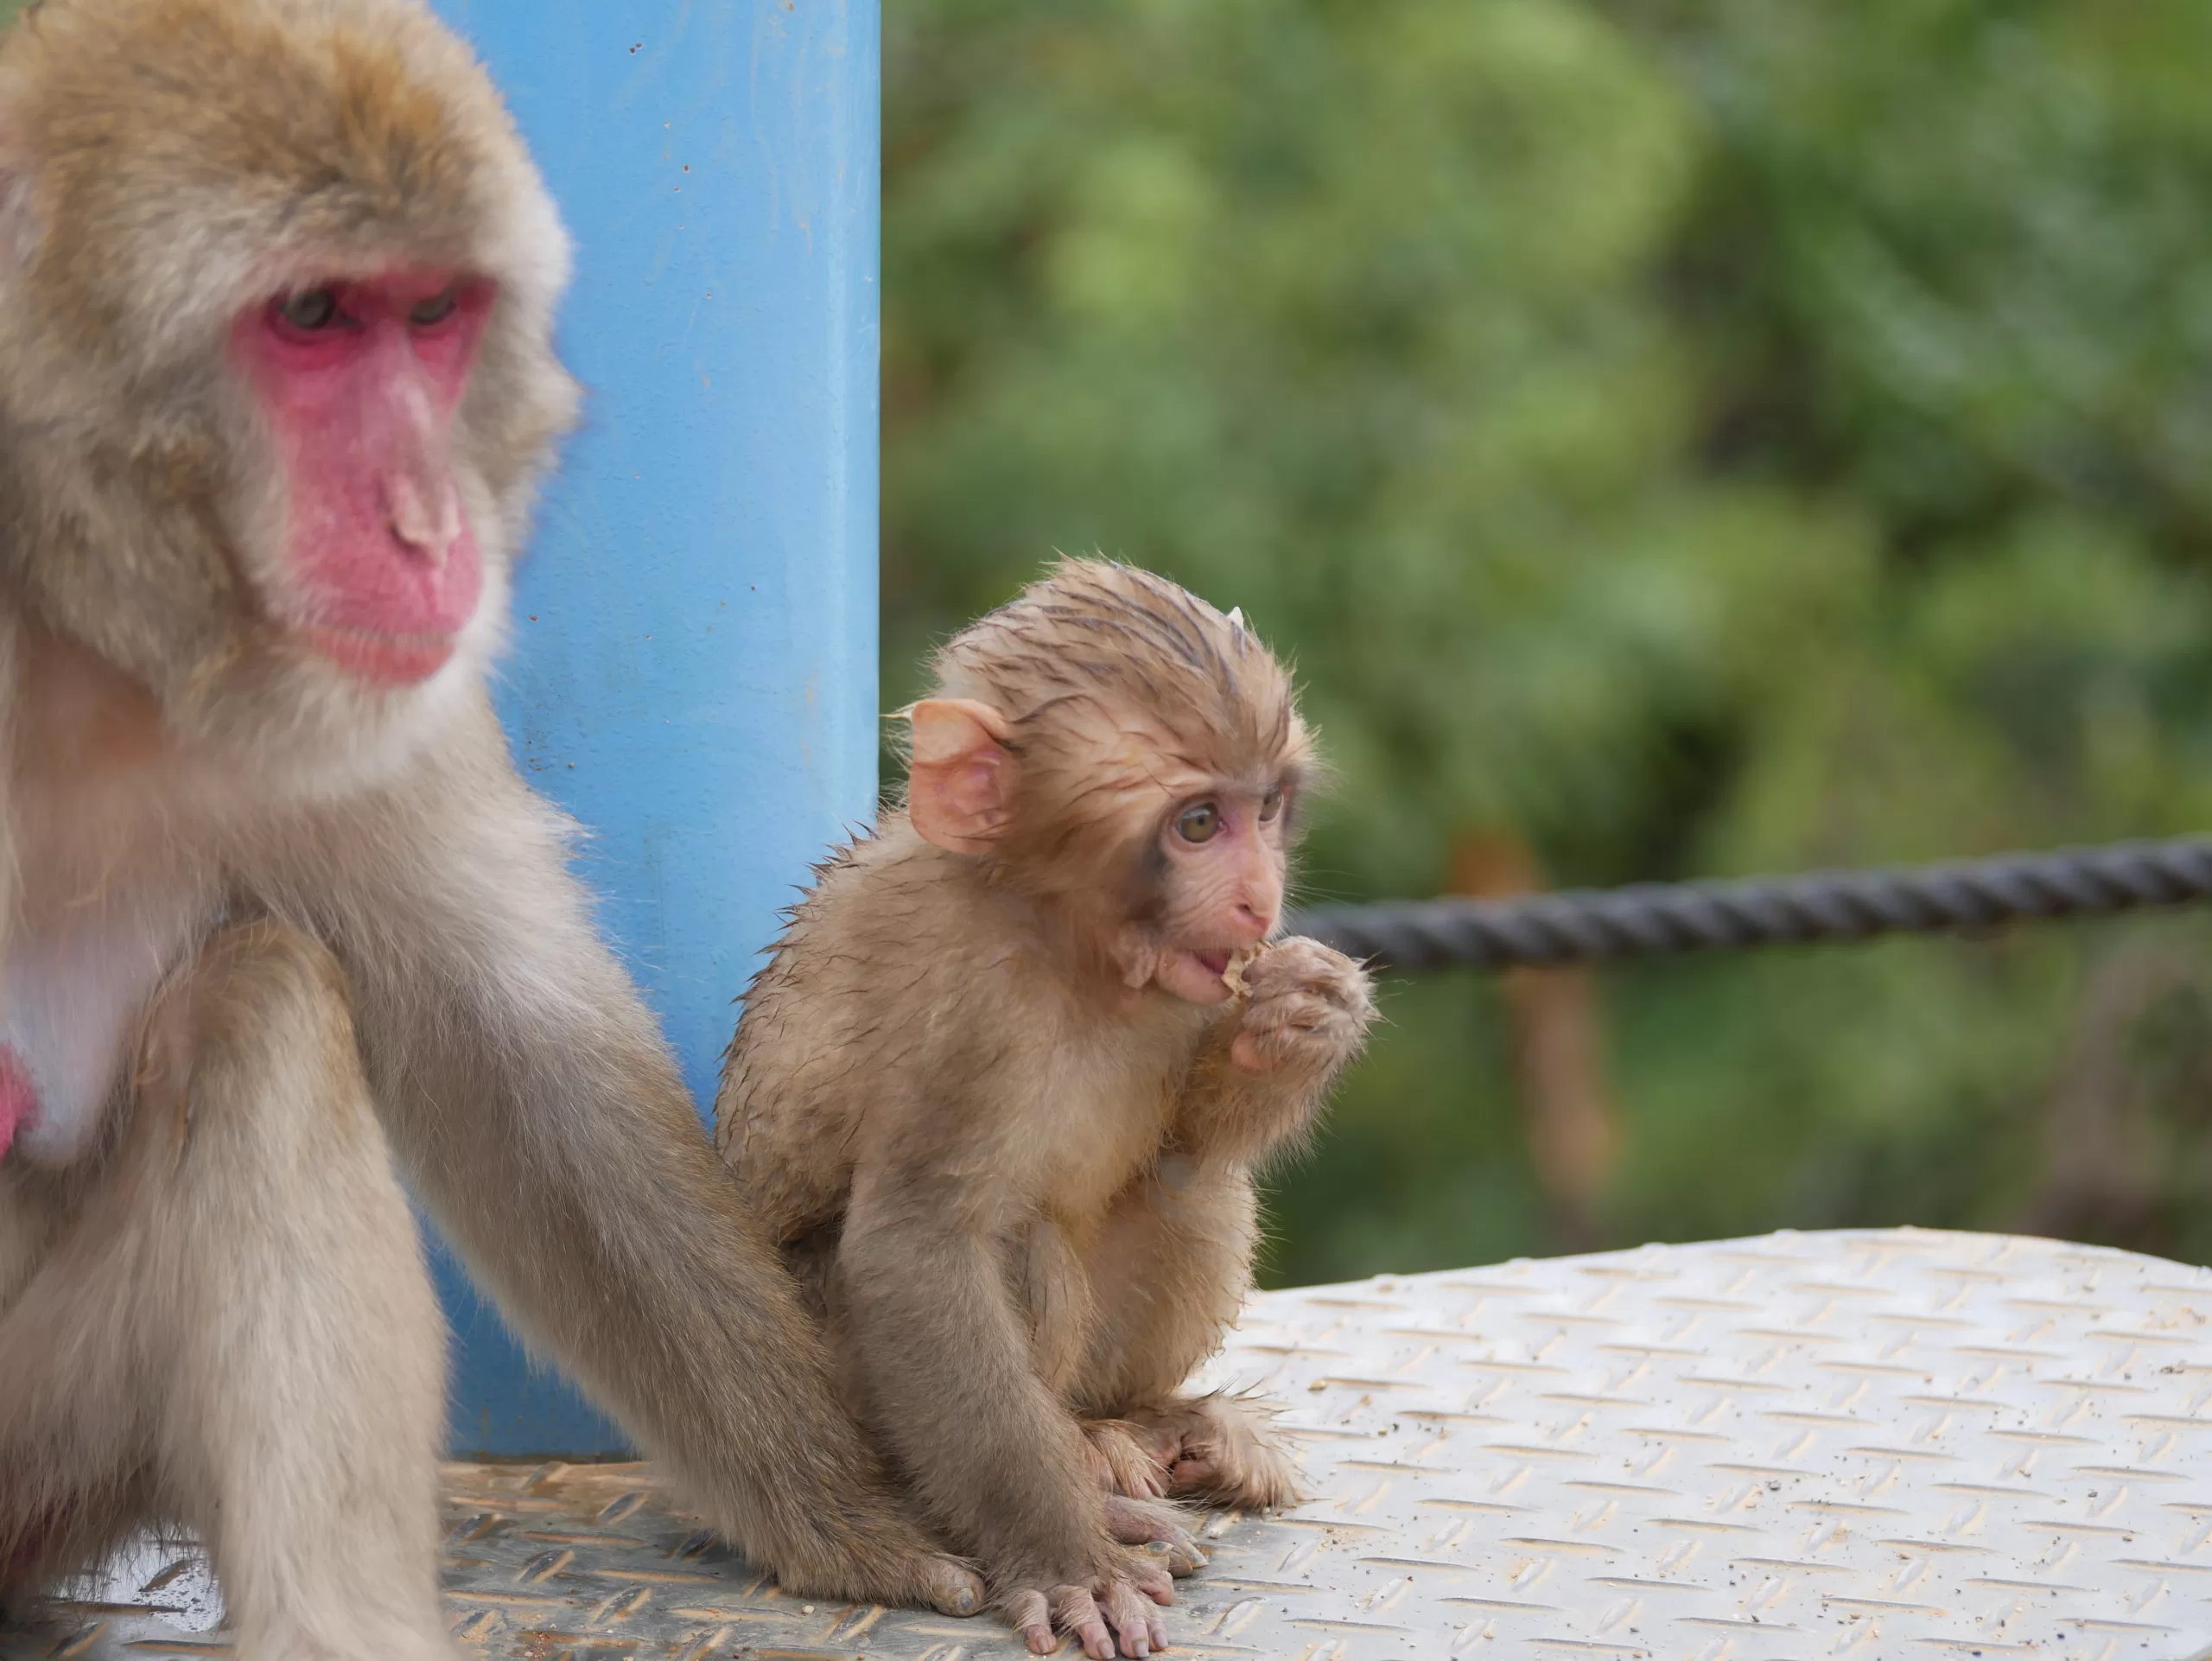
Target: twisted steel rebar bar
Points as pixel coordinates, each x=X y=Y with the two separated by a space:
x=1577 y=926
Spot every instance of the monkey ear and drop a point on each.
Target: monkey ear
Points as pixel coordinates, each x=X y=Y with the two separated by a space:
x=960 y=781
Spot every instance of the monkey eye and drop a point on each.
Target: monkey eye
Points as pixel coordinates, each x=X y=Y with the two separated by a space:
x=437 y=308
x=1198 y=822
x=316 y=309
x=1271 y=805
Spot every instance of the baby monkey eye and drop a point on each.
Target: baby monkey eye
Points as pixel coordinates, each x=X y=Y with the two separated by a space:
x=437 y=308
x=1271 y=805
x=316 y=309
x=1198 y=822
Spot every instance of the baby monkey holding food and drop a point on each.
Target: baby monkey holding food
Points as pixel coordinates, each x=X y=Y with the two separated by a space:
x=1001 y=1090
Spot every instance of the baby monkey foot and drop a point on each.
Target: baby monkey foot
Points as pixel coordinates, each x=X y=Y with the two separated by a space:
x=1130 y=1462
x=1223 y=1451
x=1158 y=1529
x=1308 y=1011
x=1110 y=1613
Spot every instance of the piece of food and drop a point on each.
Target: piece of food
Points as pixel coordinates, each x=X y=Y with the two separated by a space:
x=1233 y=976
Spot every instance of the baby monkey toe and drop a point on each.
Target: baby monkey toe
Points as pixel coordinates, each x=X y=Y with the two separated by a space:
x=1159 y=1528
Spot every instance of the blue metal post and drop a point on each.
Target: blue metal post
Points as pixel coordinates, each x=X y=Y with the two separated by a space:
x=693 y=669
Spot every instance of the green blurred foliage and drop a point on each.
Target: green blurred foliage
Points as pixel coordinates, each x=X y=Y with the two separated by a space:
x=1703 y=435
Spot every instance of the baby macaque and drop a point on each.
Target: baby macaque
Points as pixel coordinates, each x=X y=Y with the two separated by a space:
x=1002 y=1089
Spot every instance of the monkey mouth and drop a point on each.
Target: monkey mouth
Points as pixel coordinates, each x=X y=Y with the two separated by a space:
x=381 y=659
x=1195 y=975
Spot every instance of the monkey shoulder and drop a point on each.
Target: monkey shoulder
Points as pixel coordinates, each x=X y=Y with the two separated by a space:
x=825 y=1038
x=449 y=845
x=884 y=952
x=897 y=1022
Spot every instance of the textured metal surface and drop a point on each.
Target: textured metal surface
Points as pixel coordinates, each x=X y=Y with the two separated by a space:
x=1865 y=1445
x=1661 y=917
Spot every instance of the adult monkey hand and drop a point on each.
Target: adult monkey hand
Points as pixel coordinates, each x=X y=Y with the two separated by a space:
x=277 y=285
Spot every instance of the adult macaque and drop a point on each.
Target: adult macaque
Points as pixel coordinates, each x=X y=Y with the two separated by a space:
x=1000 y=1091
x=277 y=285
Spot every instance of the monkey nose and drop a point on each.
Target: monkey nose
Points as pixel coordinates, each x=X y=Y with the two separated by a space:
x=427 y=522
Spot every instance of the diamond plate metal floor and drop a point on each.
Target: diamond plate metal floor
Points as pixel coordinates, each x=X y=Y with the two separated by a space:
x=1865 y=1445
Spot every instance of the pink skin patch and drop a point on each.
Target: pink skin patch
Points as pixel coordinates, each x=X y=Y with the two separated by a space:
x=359 y=380
x=1241 y=873
x=17 y=1100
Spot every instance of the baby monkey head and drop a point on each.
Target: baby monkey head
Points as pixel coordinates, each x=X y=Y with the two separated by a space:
x=1129 y=759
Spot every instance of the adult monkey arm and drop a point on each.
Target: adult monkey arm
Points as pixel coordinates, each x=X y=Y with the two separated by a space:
x=500 y=1037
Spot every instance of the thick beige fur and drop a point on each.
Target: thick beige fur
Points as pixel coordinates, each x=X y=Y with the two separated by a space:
x=353 y=945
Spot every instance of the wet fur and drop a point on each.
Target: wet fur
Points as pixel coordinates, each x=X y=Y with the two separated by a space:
x=1021 y=1190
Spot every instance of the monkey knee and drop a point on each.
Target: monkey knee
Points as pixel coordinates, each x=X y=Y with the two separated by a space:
x=256 y=1119
x=255 y=1039
x=260 y=995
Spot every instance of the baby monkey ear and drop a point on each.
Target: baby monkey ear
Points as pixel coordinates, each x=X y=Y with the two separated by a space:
x=960 y=785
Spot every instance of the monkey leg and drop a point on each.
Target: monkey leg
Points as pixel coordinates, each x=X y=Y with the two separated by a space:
x=70 y=1488
x=1169 y=1274
x=1128 y=1462
x=235 y=1329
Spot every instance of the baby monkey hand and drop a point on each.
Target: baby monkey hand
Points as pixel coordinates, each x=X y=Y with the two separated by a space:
x=1308 y=1013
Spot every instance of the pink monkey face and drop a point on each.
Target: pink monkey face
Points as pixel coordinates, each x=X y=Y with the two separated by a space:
x=359 y=382
x=1225 y=858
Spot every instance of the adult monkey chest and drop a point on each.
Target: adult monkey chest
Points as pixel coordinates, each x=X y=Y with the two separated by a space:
x=105 y=900
x=73 y=993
